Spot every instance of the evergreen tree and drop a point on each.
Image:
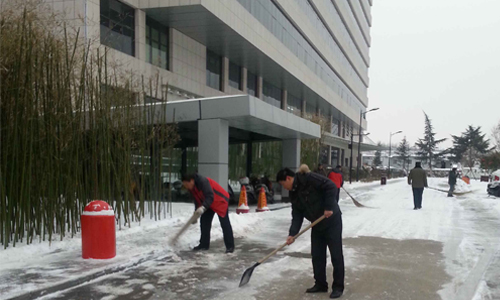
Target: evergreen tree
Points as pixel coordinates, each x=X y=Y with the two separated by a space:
x=403 y=151
x=378 y=160
x=470 y=146
x=427 y=147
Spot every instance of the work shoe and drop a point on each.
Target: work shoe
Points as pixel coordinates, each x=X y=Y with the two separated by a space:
x=415 y=208
x=317 y=289
x=336 y=294
x=230 y=250
x=200 y=248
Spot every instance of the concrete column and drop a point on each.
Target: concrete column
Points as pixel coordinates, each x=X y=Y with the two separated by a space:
x=284 y=96
x=225 y=75
x=140 y=34
x=260 y=84
x=213 y=150
x=291 y=159
x=244 y=78
x=171 y=61
x=329 y=159
x=303 y=109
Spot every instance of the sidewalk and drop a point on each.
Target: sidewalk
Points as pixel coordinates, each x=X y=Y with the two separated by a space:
x=448 y=250
x=27 y=272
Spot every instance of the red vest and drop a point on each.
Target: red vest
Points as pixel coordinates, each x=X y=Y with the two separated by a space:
x=336 y=178
x=221 y=198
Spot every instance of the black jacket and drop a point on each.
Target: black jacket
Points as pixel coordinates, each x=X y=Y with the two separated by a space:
x=311 y=195
x=452 y=177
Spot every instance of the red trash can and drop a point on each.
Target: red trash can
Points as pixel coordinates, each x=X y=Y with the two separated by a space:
x=98 y=231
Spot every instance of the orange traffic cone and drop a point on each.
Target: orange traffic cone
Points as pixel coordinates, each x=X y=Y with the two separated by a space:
x=262 y=204
x=243 y=204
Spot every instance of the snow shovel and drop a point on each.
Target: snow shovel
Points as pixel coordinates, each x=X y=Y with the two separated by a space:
x=353 y=200
x=248 y=272
x=184 y=228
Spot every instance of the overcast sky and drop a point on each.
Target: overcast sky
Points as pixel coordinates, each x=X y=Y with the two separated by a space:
x=441 y=56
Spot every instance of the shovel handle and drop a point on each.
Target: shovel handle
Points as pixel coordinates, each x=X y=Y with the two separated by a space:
x=295 y=237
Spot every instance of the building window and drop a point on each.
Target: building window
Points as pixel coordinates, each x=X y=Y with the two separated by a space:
x=310 y=109
x=214 y=70
x=156 y=44
x=272 y=94
x=294 y=104
x=251 y=84
x=117 y=26
x=335 y=127
x=235 y=76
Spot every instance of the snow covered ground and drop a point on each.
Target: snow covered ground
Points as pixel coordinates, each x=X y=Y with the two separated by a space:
x=448 y=250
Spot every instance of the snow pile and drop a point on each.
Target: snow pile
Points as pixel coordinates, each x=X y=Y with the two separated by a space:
x=462 y=187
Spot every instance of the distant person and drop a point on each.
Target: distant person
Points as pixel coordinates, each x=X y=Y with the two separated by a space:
x=418 y=180
x=452 y=181
x=313 y=196
x=320 y=170
x=337 y=178
x=210 y=199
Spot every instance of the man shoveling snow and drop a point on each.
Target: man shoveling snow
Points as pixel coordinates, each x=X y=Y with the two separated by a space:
x=210 y=199
x=313 y=196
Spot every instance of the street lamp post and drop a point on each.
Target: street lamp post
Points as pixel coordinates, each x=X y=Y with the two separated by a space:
x=390 y=148
x=361 y=114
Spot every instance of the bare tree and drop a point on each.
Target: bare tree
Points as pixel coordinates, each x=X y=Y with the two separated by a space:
x=495 y=133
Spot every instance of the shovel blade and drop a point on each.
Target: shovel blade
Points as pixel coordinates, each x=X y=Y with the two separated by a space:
x=247 y=275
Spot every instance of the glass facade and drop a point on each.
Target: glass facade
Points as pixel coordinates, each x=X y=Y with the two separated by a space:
x=272 y=94
x=235 y=76
x=214 y=70
x=268 y=14
x=335 y=127
x=251 y=84
x=318 y=24
x=294 y=105
x=310 y=109
x=338 y=23
x=118 y=26
x=156 y=44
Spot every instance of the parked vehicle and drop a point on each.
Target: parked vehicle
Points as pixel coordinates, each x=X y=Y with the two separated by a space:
x=265 y=183
x=494 y=189
x=495 y=176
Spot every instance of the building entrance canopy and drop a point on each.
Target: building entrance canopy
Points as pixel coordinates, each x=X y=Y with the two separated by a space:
x=212 y=123
x=248 y=119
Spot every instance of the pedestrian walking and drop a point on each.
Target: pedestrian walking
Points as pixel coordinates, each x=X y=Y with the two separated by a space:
x=418 y=180
x=452 y=181
x=313 y=195
x=210 y=199
x=336 y=176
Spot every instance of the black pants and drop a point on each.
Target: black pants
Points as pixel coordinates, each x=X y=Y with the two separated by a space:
x=452 y=189
x=417 y=197
x=330 y=237
x=206 y=227
x=338 y=195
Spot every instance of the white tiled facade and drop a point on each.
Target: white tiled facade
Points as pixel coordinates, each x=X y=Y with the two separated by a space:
x=345 y=24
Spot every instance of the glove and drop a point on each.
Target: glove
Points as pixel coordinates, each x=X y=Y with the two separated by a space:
x=200 y=210
x=194 y=221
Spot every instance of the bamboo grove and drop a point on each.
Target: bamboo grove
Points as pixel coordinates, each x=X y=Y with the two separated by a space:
x=73 y=130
